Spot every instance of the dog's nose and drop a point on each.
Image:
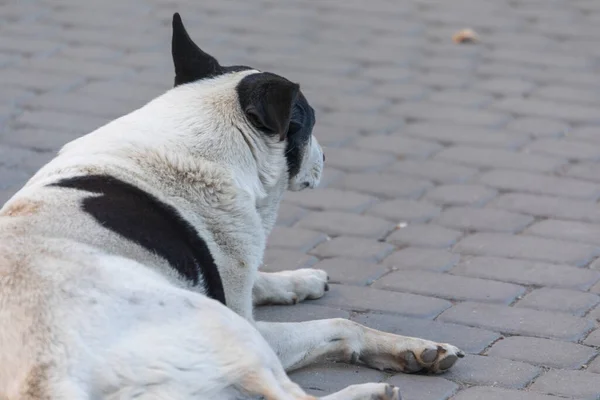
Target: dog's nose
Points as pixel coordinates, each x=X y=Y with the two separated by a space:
x=323 y=157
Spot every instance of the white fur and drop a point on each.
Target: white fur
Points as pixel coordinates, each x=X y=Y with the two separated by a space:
x=86 y=314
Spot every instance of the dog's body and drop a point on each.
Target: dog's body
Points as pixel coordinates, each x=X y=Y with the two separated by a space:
x=116 y=256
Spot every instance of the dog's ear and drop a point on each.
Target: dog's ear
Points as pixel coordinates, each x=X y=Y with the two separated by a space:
x=191 y=63
x=267 y=101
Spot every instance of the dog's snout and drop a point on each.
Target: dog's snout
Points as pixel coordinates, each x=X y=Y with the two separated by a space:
x=323 y=157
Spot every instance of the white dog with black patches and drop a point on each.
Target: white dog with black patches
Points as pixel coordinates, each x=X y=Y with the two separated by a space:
x=129 y=265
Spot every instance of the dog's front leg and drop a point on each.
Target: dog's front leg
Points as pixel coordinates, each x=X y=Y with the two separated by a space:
x=302 y=343
x=289 y=287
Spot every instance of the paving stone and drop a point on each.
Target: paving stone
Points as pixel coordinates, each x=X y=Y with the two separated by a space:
x=476 y=219
x=330 y=176
x=567 y=93
x=404 y=210
x=349 y=103
x=424 y=236
x=470 y=340
x=368 y=124
x=518 y=321
x=495 y=393
x=527 y=272
x=353 y=247
x=544 y=352
x=567 y=230
x=30 y=79
x=438 y=80
x=579 y=151
x=548 y=207
x=589 y=133
x=540 y=184
x=400 y=91
x=505 y=86
x=357 y=160
x=120 y=90
x=328 y=378
x=493 y=371
x=84 y=104
x=415 y=387
x=302 y=312
x=356 y=298
x=289 y=214
x=464 y=98
x=398 y=145
x=15 y=158
x=585 y=171
x=445 y=113
x=38 y=139
x=578 y=384
x=383 y=185
x=436 y=171
x=533 y=248
x=12 y=96
x=331 y=199
x=550 y=109
x=336 y=224
x=595 y=264
x=450 y=286
x=295 y=238
x=540 y=58
x=6 y=194
x=595 y=366
x=563 y=300
x=498 y=158
x=538 y=127
x=461 y=195
x=351 y=271
x=416 y=258
x=282 y=260
x=60 y=121
x=464 y=134
x=29 y=46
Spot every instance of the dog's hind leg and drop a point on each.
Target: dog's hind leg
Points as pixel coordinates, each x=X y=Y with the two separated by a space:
x=289 y=287
x=302 y=343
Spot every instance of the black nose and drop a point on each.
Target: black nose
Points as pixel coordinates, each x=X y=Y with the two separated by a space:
x=323 y=157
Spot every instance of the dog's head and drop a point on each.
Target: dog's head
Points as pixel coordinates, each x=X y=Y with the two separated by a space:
x=273 y=107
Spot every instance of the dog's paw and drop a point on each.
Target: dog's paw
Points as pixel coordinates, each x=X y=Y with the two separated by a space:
x=386 y=392
x=403 y=354
x=290 y=287
x=308 y=283
x=367 y=391
x=430 y=357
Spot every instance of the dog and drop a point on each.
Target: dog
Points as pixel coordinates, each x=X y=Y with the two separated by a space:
x=129 y=264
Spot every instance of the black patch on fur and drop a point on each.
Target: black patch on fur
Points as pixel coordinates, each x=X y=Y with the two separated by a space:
x=158 y=227
x=299 y=134
x=279 y=109
x=191 y=63
x=267 y=101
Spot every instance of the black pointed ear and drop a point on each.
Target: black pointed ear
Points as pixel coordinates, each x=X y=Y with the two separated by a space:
x=267 y=101
x=191 y=63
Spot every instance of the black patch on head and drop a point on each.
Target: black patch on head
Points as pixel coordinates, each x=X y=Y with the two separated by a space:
x=158 y=227
x=267 y=101
x=191 y=63
x=299 y=134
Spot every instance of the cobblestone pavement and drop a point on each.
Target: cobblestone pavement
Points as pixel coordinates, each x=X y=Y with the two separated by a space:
x=460 y=199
